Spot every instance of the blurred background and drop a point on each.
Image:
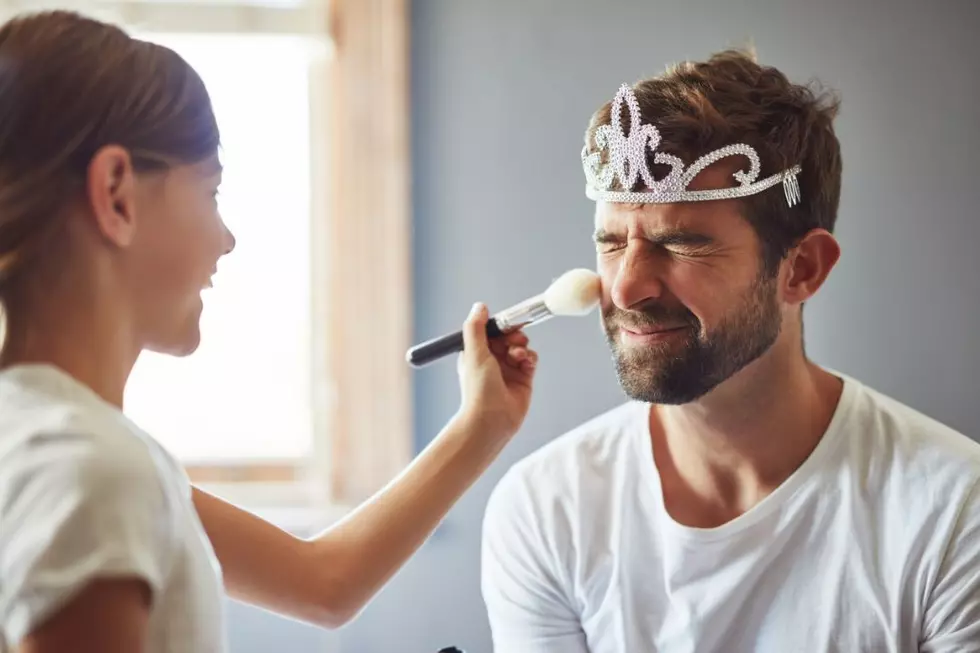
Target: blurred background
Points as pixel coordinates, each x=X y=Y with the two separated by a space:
x=391 y=161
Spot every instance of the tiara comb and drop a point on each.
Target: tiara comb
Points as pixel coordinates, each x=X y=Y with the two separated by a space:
x=627 y=163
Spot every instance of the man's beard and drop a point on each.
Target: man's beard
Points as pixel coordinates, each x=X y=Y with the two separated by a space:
x=679 y=373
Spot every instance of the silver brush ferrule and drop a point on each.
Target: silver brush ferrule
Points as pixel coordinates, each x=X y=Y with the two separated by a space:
x=530 y=311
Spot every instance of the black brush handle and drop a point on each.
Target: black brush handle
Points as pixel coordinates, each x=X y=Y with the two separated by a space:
x=451 y=343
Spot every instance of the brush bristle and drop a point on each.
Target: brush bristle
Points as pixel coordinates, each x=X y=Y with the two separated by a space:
x=574 y=293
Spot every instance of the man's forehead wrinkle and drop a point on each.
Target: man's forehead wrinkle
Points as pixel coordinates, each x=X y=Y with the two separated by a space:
x=687 y=221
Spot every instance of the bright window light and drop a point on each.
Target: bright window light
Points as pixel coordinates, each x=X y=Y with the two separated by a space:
x=245 y=395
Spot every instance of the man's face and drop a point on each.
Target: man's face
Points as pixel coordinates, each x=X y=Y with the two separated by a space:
x=686 y=302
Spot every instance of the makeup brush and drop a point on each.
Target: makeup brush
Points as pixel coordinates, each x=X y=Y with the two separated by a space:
x=574 y=293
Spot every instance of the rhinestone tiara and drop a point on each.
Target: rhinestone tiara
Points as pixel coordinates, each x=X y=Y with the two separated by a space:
x=627 y=162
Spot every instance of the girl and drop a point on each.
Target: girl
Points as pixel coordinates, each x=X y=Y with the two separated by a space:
x=108 y=233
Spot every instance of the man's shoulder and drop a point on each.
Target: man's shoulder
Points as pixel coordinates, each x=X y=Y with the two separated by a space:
x=587 y=453
x=569 y=482
x=910 y=428
x=595 y=441
x=918 y=448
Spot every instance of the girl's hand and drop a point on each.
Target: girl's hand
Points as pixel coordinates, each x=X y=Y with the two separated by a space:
x=495 y=378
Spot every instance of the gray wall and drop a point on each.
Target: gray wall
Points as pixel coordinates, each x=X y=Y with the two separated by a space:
x=502 y=91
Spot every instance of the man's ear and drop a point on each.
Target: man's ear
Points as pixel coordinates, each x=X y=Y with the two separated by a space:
x=111 y=190
x=809 y=264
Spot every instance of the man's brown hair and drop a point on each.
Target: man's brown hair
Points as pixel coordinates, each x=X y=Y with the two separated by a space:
x=699 y=107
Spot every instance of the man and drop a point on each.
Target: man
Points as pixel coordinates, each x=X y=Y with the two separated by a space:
x=744 y=499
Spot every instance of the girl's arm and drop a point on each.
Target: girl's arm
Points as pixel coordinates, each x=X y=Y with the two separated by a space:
x=328 y=579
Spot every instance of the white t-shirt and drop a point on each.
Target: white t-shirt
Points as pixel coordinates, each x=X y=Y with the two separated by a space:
x=872 y=545
x=85 y=494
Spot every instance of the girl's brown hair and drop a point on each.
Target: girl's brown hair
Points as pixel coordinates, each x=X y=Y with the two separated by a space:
x=70 y=85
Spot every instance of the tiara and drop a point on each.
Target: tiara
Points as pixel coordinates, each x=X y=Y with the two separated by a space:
x=628 y=162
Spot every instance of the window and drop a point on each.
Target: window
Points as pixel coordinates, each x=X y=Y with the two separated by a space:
x=299 y=396
x=245 y=395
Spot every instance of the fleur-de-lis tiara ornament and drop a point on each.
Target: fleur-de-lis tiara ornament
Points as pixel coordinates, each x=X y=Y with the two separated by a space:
x=627 y=162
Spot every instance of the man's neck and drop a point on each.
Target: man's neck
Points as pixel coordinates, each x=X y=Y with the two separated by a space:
x=721 y=455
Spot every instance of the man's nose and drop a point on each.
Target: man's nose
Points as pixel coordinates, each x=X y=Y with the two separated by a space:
x=639 y=277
